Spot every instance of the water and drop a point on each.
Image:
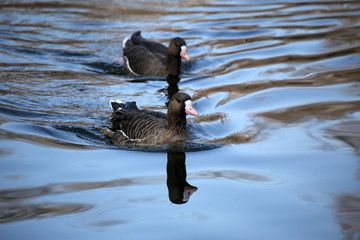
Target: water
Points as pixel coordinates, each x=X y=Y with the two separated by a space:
x=277 y=82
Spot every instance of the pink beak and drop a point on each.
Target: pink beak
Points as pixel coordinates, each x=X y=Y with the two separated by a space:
x=188 y=191
x=190 y=110
x=184 y=55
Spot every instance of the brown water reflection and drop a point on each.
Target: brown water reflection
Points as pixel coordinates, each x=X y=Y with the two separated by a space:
x=347 y=209
x=348 y=132
x=17 y=204
x=235 y=91
x=61 y=188
x=318 y=110
x=14 y=212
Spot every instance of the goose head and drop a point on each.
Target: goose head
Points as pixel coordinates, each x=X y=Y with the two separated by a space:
x=177 y=48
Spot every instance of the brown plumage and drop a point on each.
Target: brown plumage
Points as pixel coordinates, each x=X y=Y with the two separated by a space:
x=132 y=125
x=150 y=58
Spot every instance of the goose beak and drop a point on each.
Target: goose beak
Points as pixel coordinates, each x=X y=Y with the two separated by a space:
x=184 y=54
x=189 y=109
x=188 y=191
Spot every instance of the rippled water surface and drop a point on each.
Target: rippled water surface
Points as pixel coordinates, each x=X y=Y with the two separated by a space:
x=276 y=151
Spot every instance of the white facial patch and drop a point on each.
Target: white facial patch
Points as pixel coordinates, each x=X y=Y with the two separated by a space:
x=188 y=103
x=183 y=48
x=189 y=108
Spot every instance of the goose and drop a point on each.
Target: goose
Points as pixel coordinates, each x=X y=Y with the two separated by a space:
x=143 y=57
x=130 y=125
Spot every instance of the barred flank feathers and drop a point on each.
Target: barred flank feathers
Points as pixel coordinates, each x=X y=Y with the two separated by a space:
x=132 y=125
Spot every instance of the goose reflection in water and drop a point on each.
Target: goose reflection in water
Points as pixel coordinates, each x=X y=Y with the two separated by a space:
x=180 y=190
x=172 y=88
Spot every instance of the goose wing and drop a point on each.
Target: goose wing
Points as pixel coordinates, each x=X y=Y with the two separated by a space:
x=140 y=61
x=141 y=126
x=155 y=47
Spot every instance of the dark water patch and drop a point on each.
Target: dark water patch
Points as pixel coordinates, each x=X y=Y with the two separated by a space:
x=16 y=213
x=60 y=136
x=25 y=194
x=115 y=68
x=45 y=141
x=39 y=116
x=92 y=135
x=36 y=52
x=22 y=67
x=107 y=223
x=188 y=146
x=145 y=79
x=24 y=114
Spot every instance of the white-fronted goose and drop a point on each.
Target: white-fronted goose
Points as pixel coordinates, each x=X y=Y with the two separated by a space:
x=131 y=125
x=143 y=57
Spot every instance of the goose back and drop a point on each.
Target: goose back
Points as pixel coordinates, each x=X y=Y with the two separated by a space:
x=142 y=126
x=157 y=48
x=145 y=57
x=138 y=60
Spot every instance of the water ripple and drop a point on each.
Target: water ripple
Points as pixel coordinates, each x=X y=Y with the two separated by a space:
x=62 y=71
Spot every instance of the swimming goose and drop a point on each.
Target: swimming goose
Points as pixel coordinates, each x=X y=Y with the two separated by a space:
x=131 y=125
x=143 y=57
